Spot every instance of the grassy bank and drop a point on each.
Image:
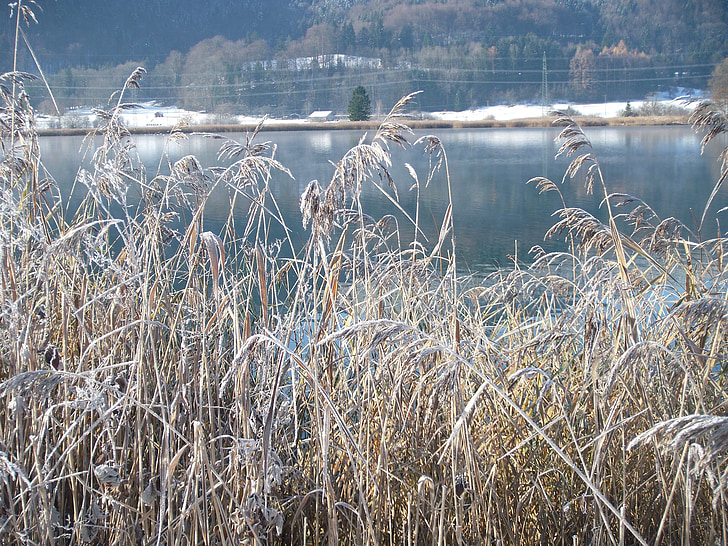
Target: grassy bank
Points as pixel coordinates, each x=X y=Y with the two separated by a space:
x=415 y=124
x=165 y=385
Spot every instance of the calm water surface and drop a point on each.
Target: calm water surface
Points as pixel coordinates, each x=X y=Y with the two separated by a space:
x=494 y=209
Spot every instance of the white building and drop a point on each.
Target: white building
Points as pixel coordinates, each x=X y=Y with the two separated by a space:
x=321 y=115
x=333 y=60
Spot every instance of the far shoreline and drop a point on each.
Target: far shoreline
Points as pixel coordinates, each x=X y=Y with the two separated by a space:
x=414 y=124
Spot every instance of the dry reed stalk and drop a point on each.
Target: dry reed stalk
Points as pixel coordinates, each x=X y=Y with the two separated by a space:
x=165 y=384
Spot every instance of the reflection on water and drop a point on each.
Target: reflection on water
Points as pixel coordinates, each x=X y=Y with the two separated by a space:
x=322 y=141
x=493 y=206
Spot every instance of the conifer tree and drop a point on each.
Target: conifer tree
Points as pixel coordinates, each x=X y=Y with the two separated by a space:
x=359 y=105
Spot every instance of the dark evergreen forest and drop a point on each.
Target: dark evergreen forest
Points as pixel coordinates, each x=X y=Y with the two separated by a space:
x=288 y=57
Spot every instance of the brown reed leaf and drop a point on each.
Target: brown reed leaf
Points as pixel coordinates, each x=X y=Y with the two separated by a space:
x=216 y=255
x=107 y=474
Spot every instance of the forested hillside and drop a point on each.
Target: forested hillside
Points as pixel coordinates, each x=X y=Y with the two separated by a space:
x=90 y=33
x=233 y=56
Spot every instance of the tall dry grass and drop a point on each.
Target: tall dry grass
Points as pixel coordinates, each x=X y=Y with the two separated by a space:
x=162 y=384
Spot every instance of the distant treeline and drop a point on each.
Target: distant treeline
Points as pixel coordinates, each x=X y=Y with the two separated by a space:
x=461 y=54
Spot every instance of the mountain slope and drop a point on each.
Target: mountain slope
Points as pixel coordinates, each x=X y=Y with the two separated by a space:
x=91 y=33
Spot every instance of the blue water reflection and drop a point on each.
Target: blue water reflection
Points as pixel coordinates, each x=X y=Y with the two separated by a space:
x=493 y=206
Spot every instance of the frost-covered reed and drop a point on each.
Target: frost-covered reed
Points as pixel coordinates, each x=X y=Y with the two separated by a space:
x=163 y=384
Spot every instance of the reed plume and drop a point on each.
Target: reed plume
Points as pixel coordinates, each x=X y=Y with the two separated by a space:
x=162 y=383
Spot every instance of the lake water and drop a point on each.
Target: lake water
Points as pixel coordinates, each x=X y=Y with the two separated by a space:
x=493 y=206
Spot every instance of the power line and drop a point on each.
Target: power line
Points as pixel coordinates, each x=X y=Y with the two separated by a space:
x=199 y=85
x=412 y=84
x=680 y=68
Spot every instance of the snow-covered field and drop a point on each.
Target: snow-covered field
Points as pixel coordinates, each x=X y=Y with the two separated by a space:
x=152 y=115
x=676 y=98
x=524 y=111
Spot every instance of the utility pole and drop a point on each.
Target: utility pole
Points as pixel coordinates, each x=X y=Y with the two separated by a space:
x=544 y=86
